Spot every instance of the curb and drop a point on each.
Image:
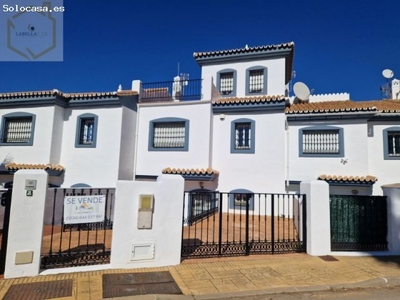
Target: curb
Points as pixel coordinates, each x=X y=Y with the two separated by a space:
x=371 y=283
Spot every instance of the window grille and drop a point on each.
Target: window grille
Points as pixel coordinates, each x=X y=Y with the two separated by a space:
x=242 y=135
x=241 y=199
x=226 y=83
x=321 y=141
x=256 y=81
x=169 y=135
x=394 y=143
x=17 y=130
x=86 y=132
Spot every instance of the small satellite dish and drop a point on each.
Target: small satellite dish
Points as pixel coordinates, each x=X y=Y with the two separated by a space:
x=387 y=73
x=301 y=91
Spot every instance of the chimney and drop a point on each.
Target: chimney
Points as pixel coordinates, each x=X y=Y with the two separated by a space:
x=395 y=89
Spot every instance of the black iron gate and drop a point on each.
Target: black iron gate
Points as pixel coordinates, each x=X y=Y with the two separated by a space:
x=6 y=203
x=228 y=224
x=68 y=245
x=358 y=223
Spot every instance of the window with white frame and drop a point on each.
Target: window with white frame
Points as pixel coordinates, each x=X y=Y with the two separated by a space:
x=169 y=134
x=243 y=135
x=86 y=131
x=321 y=141
x=391 y=143
x=18 y=129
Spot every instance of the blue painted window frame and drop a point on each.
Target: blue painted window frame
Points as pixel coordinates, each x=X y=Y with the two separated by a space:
x=78 y=135
x=264 y=90
x=251 y=149
x=386 y=133
x=15 y=116
x=234 y=74
x=168 y=120
x=232 y=204
x=325 y=127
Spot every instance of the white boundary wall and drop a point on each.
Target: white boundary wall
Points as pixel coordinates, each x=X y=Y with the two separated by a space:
x=26 y=225
x=156 y=247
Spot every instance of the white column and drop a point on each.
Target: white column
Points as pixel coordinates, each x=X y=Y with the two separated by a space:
x=26 y=223
x=136 y=86
x=392 y=191
x=318 y=217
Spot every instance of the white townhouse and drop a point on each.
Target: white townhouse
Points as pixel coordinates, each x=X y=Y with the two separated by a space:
x=81 y=140
x=233 y=130
x=244 y=134
x=354 y=146
x=232 y=137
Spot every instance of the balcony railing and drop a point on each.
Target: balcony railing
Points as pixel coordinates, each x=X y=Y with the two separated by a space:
x=176 y=90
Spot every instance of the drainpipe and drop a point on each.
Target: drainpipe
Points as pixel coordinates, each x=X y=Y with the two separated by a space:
x=287 y=153
x=136 y=131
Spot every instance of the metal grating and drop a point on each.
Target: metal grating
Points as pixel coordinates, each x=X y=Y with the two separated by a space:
x=130 y=284
x=328 y=258
x=40 y=290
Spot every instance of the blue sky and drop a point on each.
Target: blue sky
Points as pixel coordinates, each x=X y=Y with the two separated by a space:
x=340 y=46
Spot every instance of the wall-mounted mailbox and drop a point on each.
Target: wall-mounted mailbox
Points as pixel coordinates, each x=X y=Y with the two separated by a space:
x=145 y=213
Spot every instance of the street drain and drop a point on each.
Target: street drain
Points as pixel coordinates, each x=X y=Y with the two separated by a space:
x=327 y=258
x=130 y=284
x=40 y=290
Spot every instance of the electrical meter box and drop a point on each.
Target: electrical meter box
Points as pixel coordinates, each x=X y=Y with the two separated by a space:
x=145 y=212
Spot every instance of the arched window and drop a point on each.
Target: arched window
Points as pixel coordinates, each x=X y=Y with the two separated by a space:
x=240 y=198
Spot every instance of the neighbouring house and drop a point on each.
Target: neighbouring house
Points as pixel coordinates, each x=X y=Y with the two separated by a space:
x=234 y=130
x=79 y=139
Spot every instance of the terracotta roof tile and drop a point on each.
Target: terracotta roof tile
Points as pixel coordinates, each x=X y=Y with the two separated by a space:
x=48 y=93
x=348 y=106
x=350 y=179
x=55 y=92
x=265 y=48
x=15 y=167
x=249 y=100
x=192 y=171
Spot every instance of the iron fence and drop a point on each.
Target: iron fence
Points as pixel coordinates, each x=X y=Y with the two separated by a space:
x=180 y=90
x=68 y=245
x=228 y=224
x=358 y=223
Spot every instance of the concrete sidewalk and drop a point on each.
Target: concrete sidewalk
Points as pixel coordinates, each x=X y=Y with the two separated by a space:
x=238 y=276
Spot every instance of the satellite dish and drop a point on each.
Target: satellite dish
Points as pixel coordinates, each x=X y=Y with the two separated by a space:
x=301 y=91
x=387 y=73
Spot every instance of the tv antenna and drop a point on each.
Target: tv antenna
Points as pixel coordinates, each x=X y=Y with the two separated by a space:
x=386 y=89
x=301 y=91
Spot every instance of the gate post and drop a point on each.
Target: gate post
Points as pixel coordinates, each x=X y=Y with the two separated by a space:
x=392 y=191
x=318 y=217
x=26 y=223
